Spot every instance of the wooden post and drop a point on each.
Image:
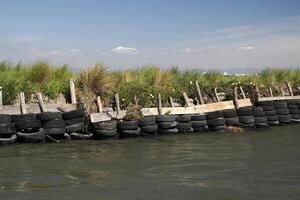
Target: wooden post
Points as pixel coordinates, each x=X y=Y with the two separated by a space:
x=1 y=102
x=216 y=95
x=235 y=94
x=290 y=88
x=159 y=106
x=199 y=93
x=186 y=100
x=257 y=91
x=22 y=103
x=271 y=92
x=99 y=105
x=171 y=102
x=136 y=102
x=41 y=102
x=117 y=99
x=242 y=91
x=281 y=91
x=72 y=92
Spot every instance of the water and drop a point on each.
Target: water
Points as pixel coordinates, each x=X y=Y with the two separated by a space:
x=256 y=165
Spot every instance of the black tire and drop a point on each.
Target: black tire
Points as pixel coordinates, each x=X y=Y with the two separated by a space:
x=270 y=113
x=294 y=112
x=293 y=107
x=261 y=125
x=295 y=116
x=216 y=122
x=285 y=119
x=183 y=118
x=268 y=108
x=55 y=131
x=23 y=117
x=73 y=114
x=233 y=121
x=280 y=105
x=258 y=108
x=246 y=111
x=7 y=130
x=282 y=111
x=246 y=120
x=127 y=125
x=198 y=118
x=291 y=102
x=57 y=123
x=199 y=124
x=217 y=128
x=214 y=115
x=184 y=126
x=259 y=120
x=28 y=125
x=201 y=129
x=105 y=134
x=81 y=136
x=259 y=113
x=107 y=125
x=130 y=133
x=75 y=128
x=147 y=121
x=5 y=119
x=265 y=103
x=48 y=116
x=166 y=118
x=168 y=131
x=35 y=137
x=272 y=118
x=74 y=121
x=167 y=125
x=8 y=140
x=149 y=129
x=229 y=113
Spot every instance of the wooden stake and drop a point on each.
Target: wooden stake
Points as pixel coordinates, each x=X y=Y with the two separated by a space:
x=186 y=100
x=22 y=104
x=216 y=95
x=281 y=91
x=99 y=105
x=257 y=91
x=136 y=102
x=1 y=102
x=72 y=92
x=199 y=93
x=117 y=99
x=290 y=88
x=41 y=102
x=235 y=94
x=159 y=106
x=242 y=91
x=271 y=92
x=171 y=102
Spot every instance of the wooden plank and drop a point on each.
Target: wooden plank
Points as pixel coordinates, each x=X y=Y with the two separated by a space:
x=159 y=105
x=117 y=99
x=171 y=102
x=99 y=117
x=22 y=103
x=271 y=92
x=216 y=94
x=243 y=93
x=199 y=93
x=72 y=92
x=235 y=93
x=290 y=88
x=1 y=102
x=279 y=98
x=243 y=103
x=41 y=102
x=186 y=100
x=35 y=108
x=99 y=104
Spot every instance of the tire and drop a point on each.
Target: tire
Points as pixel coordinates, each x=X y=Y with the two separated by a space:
x=9 y=140
x=108 y=125
x=260 y=120
x=127 y=125
x=258 y=108
x=246 y=120
x=268 y=108
x=184 y=126
x=198 y=118
x=28 y=125
x=217 y=128
x=261 y=125
x=214 y=115
x=167 y=125
x=293 y=107
x=149 y=129
x=201 y=129
x=293 y=112
x=166 y=118
x=199 y=124
x=229 y=113
x=280 y=105
x=35 y=137
x=291 y=102
x=216 y=122
x=147 y=121
x=55 y=131
x=75 y=128
x=295 y=116
x=272 y=118
x=168 y=131
x=105 y=134
x=130 y=133
x=259 y=113
x=48 y=116
x=282 y=111
x=74 y=121
x=285 y=119
x=233 y=121
x=80 y=136
x=7 y=130
x=73 y=114
x=23 y=117
x=265 y=103
x=270 y=113
x=183 y=118
x=5 y=119
x=247 y=111
x=57 y=123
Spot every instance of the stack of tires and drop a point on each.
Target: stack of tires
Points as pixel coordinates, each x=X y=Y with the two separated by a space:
x=215 y=121
x=260 y=119
x=231 y=118
x=270 y=112
x=7 y=130
x=199 y=123
x=184 y=124
x=148 y=126
x=167 y=124
x=29 y=129
x=129 y=129
x=246 y=117
x=282 y=111
x=105 y=130
x=53 y=124
x=294 y=111
x=74 y=121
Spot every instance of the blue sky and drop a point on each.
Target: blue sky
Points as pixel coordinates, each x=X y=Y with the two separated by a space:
x=191 y=34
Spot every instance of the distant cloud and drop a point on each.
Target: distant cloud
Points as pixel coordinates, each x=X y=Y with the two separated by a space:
x=186 y=50
x=246 y=48
x=53 y=53
x=124 y=50
x=24 y=39
x=232 y=29
x=75 y=51
x=162 y=53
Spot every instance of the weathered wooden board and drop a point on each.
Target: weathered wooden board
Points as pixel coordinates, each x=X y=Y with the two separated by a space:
x=279 y=98
x=101 y=117
x=243 y=103
x=35 y=108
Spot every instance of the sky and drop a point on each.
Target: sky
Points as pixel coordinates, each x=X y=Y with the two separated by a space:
x=190 y=34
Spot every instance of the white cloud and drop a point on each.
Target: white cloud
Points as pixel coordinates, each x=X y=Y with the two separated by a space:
x=24 y=39
x=75 y=51
x=232 y=29
x=124 y=50
x=246 y=48
x=186 y=50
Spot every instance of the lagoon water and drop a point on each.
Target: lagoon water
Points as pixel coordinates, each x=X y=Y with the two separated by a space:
x=262 y=164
